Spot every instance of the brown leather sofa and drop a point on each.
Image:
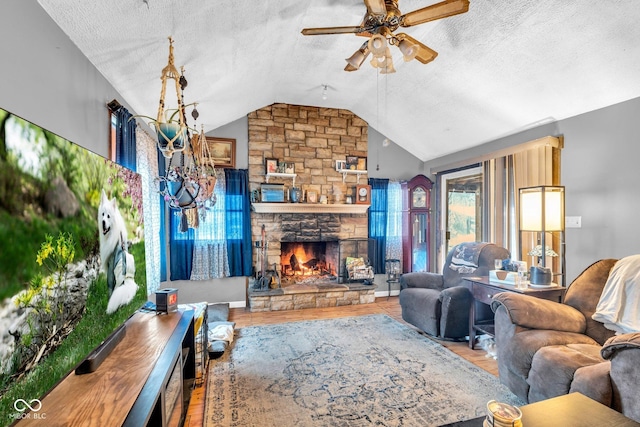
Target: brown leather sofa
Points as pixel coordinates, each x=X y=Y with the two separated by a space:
x=546 y=349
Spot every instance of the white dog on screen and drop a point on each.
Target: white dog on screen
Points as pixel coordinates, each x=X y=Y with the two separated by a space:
x=117 y=262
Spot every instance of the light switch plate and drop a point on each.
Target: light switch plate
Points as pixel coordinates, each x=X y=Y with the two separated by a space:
x=573 y=221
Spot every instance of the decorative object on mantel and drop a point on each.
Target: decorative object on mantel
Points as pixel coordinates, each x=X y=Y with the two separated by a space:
x=272 y=192
x=189 y=183
x=295 y=194
x=363 y=194
x=382 y=18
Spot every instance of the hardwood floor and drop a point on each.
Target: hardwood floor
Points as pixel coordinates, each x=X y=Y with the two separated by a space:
x=390 y=307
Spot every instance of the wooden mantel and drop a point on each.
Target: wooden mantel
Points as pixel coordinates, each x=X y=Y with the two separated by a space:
x=338 y=208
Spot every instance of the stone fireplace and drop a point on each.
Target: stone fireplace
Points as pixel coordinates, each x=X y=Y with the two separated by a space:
x=311 y=139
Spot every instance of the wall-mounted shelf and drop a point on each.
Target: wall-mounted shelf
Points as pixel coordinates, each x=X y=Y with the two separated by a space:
x=346 y=172
x=291 y=176
x=309 y=208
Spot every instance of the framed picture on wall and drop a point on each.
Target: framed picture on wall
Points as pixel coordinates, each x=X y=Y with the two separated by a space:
x=362 y=164
x=289 y=167
x=352 y=162
x=270 y=166
x=223 y=151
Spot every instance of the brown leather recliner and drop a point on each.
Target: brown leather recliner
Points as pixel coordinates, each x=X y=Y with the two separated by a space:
x=546 y=349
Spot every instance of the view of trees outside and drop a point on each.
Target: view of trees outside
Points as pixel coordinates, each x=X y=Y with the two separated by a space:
x=462 y=217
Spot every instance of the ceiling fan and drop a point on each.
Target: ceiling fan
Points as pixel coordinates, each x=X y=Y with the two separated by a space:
x=381 y=20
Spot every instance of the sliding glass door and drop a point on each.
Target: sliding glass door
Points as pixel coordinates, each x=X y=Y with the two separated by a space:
x=461 y=215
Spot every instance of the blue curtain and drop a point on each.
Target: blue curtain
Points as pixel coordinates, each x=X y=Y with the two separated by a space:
x=125 y=139
x=378 y=221
x=180 y=247
x=238 y=222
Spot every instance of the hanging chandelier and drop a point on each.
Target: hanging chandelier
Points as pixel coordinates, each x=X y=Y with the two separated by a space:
x=189 y=177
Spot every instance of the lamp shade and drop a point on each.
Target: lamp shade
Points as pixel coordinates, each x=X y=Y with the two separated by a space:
x=357 y=58
x=408 y=49
x=542 y=208
x=377 y=44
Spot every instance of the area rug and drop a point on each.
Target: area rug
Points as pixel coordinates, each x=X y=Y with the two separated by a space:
x=355 y=371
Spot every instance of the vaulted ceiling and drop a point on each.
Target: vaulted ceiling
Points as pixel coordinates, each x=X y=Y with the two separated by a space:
x=503 y=67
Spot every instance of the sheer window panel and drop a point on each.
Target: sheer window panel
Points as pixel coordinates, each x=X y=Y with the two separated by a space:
x=210 y=258
x=394 y=222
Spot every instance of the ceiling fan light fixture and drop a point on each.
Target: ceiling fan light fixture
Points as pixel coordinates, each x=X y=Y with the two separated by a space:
x=388 y=68
x=409 y=50
x=377 y=44
x=378 y=62
x=357 y=58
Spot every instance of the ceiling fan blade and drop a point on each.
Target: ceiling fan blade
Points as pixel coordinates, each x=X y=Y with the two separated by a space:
x=425 y=54
x=333 y=30
x=436 y=11
x=376 y=7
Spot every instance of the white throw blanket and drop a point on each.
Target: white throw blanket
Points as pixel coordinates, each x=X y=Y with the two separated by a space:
x=619 y=305
x=221 y=333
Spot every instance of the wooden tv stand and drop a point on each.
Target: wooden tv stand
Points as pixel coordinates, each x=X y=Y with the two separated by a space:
x=130 y=386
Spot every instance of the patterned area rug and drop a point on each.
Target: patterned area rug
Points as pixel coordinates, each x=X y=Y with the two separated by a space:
x=356 y=371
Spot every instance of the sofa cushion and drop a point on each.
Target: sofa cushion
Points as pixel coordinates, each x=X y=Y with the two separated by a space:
x=553 y=368
x=525 y=345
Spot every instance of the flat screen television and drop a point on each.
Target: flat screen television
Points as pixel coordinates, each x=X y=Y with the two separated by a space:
x=58 y=277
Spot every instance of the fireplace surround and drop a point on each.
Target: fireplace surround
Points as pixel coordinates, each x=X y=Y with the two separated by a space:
x=311 y=139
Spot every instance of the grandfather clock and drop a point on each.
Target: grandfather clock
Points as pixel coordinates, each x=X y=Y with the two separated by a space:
x=416 y=224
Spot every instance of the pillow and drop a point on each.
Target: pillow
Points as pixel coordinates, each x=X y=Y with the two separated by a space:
x=218 y=312
x=216 y=348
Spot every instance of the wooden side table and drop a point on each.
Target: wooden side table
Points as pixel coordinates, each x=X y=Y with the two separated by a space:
x=483 y=291
x=569 y=410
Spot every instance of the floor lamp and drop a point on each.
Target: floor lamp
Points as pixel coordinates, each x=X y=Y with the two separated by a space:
x=542 y=211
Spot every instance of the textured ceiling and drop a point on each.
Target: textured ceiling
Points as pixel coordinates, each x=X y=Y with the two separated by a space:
x=504 y=66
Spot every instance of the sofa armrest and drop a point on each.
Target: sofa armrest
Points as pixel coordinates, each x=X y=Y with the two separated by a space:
x=455 y=304
x=621 y=350
x=421 y=280
x=619 y=342
x=535 y=313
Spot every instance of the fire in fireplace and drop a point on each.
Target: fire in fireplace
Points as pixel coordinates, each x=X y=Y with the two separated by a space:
x=308 y=261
